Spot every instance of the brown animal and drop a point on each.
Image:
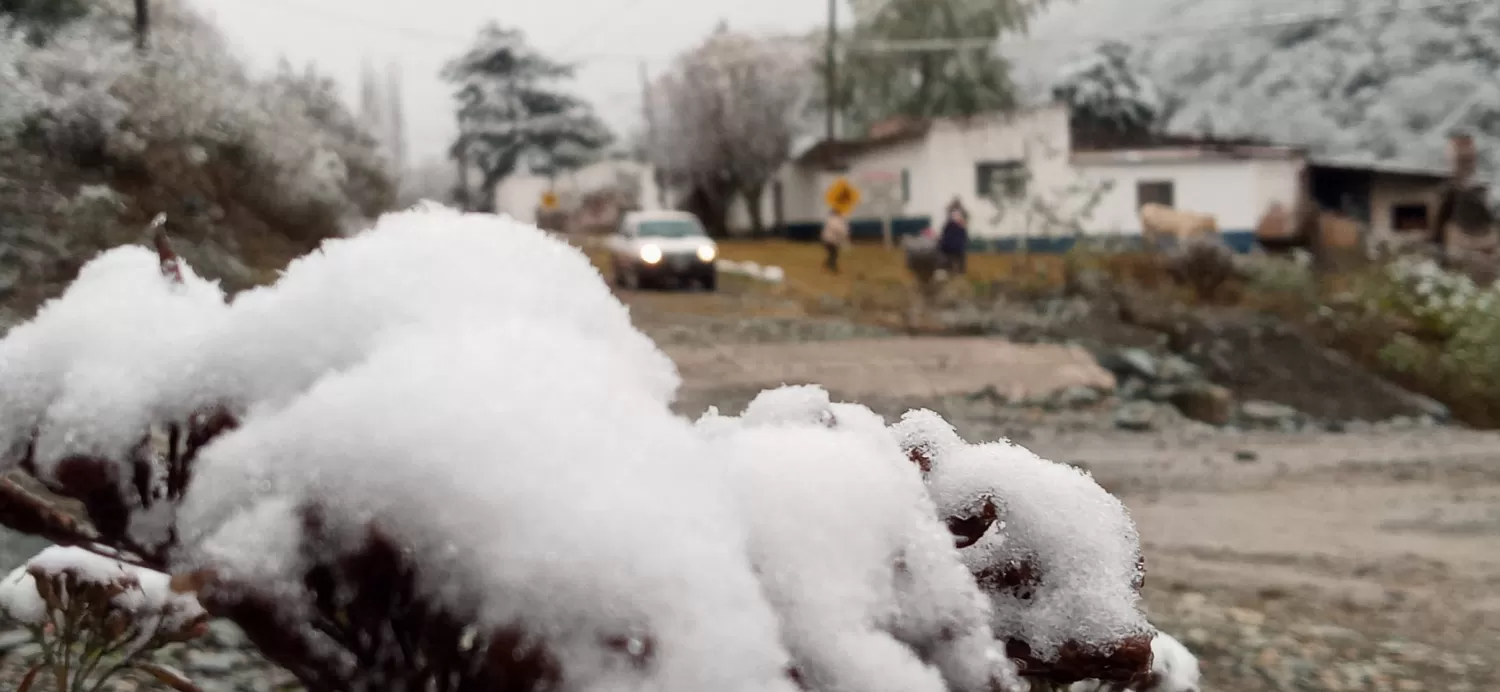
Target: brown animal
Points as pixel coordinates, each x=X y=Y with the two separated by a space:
x=1159 y=222
x=1308 y=228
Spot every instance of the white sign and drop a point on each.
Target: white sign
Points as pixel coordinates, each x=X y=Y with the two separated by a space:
x=883 y=197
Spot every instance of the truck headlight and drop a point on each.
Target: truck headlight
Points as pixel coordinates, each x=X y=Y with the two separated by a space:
x=707 y=253
x=650 y=254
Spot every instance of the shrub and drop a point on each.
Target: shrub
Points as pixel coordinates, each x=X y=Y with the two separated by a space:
x=1203 y=266
x=97 y=618
x=406 y=466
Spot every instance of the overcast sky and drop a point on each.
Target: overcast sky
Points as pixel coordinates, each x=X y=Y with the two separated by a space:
x=610 y=36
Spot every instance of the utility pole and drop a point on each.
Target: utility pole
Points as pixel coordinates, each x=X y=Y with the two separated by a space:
x=648 y=109
x=142 y=23
x=832 y=70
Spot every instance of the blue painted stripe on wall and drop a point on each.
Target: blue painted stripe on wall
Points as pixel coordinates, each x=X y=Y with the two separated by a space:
x=865 y=230
x=1239 y=241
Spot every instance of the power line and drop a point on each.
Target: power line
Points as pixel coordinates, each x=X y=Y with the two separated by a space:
x=605 y=19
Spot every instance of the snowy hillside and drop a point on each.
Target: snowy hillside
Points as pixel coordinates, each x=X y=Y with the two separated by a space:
x=1384 y=82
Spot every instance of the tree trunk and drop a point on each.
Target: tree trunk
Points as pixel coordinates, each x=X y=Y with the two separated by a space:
x=486 y=202
x=142 y=23
x=713 y=210
x=752 y=196
x=461 y=190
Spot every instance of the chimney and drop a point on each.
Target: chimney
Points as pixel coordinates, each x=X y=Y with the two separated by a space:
x=1462 y=155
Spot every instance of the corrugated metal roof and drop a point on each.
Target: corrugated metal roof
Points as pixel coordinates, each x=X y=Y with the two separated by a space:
x=1357 y=164
x=1185 y=154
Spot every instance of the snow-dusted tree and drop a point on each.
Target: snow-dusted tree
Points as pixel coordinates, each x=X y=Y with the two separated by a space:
x=1378 y=82
x=512 y=113
x=731 y=108
x=331 y=139
x=1108 y=93
x=875 y=83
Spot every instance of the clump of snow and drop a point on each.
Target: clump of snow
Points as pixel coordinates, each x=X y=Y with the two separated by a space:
x=514 y=516
x=924 y=435
x=850 y=552
x=145 y=595
x=791 y=404
x=98 y=364
x=1078 y=541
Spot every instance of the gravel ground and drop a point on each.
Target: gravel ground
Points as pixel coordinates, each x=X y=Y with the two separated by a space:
x=1308 y=556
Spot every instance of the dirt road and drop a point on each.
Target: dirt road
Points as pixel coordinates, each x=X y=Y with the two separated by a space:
x=1288 y=561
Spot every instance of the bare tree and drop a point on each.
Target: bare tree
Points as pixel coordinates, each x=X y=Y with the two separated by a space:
x=731 y=109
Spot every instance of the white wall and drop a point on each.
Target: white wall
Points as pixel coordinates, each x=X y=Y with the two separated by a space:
x=519 y=195
x=1040 y=137
x=1236 y=192
x=943 y=165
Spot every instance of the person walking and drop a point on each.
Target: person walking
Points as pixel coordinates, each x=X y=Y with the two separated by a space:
x=953 y=243
x=835 y=236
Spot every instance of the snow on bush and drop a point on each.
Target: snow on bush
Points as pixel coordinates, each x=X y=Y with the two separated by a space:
x=439 y=450
x=1452 y=325
x=90 y=609
x=1057 y=554
x=848 y=547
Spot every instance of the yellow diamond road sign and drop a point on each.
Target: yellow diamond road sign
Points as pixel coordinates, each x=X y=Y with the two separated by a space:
x=549 y=200
x=842 y=196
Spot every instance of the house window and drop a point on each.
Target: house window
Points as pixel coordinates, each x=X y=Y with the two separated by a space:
x=1161 y=192
x=1409 y=217
x=905 y=185
x=1005 y=179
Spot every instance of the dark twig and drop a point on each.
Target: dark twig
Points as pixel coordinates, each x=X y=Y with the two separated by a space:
x=171 y=262
x=22 y=511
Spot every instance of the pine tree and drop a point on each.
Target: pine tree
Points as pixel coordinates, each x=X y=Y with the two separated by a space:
x=512 y=115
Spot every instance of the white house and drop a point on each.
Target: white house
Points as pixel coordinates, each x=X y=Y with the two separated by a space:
x=1234 y=183
x=520 y=195
x=1056 y=179
x=909 y=171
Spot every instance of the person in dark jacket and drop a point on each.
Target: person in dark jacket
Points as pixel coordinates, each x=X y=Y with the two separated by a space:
x=953 y=243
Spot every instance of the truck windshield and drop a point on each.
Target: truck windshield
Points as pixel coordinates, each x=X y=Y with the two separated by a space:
x=670 y=228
